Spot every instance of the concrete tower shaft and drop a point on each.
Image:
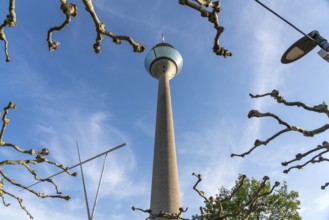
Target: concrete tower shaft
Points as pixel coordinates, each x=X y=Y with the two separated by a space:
x=165 y=194
x=162 y=67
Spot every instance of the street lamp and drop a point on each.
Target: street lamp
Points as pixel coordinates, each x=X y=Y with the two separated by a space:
x=304 y=45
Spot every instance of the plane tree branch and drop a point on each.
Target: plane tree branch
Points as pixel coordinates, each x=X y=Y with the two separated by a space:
x=312 y=156
x=162 y=214
x=10 y=21
x=100 y=31
x=70 y=10
x=40 y=158
x=275 y=94
x=210 y=9
x=207 y=8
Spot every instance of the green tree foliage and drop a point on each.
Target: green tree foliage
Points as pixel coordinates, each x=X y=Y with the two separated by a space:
x=279 y=205
x=247 y=200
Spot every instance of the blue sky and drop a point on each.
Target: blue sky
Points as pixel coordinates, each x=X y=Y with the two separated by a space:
x=107 y=99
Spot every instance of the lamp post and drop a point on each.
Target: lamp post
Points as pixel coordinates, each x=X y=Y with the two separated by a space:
x=304 y=45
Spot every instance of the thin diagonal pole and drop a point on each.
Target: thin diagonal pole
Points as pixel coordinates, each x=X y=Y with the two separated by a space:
x=84 y=184
x=90 y=159
x=98 y=189
x=285 y=20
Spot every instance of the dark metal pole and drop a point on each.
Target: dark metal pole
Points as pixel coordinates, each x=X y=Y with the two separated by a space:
x=285 y=20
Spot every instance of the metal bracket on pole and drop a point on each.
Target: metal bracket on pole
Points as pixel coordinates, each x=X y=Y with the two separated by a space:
x=90 y=159
x=91 y=215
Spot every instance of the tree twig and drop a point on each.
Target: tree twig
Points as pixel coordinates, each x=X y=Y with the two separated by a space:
x=212 y=15
x=10 y=21
x=100 y=31
x=69 y=10
x=162 y=214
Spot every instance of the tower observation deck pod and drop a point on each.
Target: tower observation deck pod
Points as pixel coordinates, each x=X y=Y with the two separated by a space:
x=164 y=62
x=161 y=58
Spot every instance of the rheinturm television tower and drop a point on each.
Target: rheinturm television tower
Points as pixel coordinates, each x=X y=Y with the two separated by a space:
x=164 y=62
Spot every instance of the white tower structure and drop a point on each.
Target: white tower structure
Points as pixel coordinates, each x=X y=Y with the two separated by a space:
x=164 y=62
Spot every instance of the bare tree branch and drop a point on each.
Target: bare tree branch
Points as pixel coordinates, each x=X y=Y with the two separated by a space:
x=39 y=159
x=207 y=8
x=70 y=10
x=100 y=30
x=321 y=108
x=325 y=186
x=201 y=193
x=212 y=15
x=317 y=152
x=19 y=200
x=10 y=21
x=162 y=214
